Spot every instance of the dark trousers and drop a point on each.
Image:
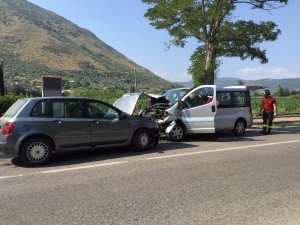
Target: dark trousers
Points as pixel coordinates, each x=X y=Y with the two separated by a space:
x=267 y=121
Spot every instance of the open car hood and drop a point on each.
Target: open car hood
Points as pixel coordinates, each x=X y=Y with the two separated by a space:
x=128 y=102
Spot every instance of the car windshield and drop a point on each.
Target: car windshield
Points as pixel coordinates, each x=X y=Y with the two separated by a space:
x=175 y=95
x=15 y=108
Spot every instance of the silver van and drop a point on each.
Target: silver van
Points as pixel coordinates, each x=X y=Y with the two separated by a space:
x=208 y=109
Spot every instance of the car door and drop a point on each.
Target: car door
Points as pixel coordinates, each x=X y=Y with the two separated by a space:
x=199 y=109
x=108 y=126
x=68 y=125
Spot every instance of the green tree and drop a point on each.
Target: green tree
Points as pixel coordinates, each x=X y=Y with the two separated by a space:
x=282 y=91
x=17 y=90
x=241 y=82
x=212 y=24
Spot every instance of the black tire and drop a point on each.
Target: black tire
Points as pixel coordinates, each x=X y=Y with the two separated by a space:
x=36 y=151
x=177 y=133
x=239 y=127
x=141 y=140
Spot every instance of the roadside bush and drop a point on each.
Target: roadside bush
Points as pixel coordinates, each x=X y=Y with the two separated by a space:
x=109 y=95
x=6 y=101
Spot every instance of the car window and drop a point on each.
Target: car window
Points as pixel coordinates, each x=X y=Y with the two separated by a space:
x=66 y=108
x=15 y=108
x=40 y=109
x=99 y=110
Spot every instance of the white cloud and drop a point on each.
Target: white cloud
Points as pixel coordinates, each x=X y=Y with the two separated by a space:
x=181 y=77
x=257 y=73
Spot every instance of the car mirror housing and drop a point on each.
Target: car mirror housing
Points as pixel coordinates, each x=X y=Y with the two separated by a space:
x=181 y=104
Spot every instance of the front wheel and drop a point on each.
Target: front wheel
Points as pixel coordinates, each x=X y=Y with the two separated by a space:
x=177 y=133
x=141 y=140
x=239 y=128
x=36 y=151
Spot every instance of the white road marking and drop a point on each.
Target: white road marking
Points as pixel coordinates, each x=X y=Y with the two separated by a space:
x=150 y=158
x=221 y=150
x=64 y=170
x=83 y=167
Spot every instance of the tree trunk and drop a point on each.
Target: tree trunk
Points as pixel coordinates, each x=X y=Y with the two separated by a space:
x=209 y=74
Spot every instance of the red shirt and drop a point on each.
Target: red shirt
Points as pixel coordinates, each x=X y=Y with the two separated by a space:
x=209 y=99
x=268 y=104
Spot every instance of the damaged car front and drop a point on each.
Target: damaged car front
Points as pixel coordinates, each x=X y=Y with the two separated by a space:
x=150 y=106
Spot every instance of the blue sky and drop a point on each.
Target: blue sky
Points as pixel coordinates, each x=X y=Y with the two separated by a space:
x=122 y=25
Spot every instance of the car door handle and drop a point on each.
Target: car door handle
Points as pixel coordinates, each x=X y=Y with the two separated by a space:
x=95 y=121
x=213 y=108
x=56 y=121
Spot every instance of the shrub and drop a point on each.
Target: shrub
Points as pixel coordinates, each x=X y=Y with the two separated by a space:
x=6 y=101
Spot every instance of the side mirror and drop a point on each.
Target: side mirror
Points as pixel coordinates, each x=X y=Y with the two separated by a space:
x=181 y=104
x=122 y=116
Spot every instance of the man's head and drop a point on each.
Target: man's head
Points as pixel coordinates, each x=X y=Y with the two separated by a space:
x=266 y=93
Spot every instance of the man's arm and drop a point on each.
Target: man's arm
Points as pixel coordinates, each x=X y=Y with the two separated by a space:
x=261 y=107
x=274 y=107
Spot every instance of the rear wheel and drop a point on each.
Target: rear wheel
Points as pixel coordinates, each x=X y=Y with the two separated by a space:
x=177 y=133
x=239 y=128
x=141 y=140
x=36 y=151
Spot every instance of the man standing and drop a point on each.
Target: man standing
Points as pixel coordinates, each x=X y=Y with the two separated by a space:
x=269 y=111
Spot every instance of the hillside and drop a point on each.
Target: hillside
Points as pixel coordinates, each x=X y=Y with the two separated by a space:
x=36 y=42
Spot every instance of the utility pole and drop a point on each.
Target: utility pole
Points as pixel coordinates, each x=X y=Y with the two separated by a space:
x=1 y=79
x=135 y=82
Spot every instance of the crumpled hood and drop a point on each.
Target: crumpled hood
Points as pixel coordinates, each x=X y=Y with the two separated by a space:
x=128 y=102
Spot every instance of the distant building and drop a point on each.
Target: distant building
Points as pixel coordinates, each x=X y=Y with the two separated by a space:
x=35 y=82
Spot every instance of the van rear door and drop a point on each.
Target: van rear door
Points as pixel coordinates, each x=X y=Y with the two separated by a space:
x=199 y=109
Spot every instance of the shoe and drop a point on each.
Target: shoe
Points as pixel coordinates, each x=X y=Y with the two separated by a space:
x=263 y=132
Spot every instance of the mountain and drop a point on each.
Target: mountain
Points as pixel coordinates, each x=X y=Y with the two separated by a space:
x=36 y=42
x=271 y=84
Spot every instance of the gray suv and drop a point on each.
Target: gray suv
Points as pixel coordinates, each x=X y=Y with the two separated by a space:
x=35 y=128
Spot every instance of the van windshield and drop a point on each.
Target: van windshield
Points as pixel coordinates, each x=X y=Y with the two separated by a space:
x=174 y=95
x=15 y=108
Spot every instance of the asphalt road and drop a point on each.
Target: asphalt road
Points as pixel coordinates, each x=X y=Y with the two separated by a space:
x=223 y=179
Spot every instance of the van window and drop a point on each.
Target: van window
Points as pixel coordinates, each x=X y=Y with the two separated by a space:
x=199 y=97
x=240 y=99
x=229 y=99
x=224 y=99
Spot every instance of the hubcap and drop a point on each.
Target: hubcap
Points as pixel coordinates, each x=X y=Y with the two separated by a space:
x=240 y=128
x=143 y=140
x=177 y=132
x=37 y=152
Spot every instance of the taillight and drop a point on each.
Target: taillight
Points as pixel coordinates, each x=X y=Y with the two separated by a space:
x=8 y=128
